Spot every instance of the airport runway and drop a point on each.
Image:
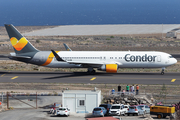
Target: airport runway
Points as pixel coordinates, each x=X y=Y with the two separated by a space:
x=83 y=77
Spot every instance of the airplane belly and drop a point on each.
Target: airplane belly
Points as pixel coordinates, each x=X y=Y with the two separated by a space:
x=143 y=65
x=133 y=65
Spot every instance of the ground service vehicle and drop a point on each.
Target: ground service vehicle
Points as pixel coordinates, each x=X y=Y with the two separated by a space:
x=162 y=111
x=135 y=110
x=145 y=108
x=117 y=109
x=107 y=106
x=99 y=111
x=63 y=111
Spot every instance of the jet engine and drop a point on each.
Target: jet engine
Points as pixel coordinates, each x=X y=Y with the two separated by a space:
x=110 y=68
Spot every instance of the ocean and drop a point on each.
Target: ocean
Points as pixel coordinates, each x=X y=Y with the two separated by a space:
x=88 y=12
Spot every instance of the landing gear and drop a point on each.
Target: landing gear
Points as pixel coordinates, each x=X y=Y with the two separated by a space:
x=91 y=71
x=162 y=72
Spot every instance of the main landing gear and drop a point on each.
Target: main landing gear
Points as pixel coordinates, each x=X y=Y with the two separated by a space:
x=162 y=72
x=91 y=71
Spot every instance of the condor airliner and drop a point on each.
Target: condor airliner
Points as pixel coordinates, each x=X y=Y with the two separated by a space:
x=108 y=61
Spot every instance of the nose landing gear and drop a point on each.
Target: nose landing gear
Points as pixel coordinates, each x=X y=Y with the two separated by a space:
x=162 y=72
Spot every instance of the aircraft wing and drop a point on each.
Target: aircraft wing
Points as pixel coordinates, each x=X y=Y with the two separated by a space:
x=67 y=47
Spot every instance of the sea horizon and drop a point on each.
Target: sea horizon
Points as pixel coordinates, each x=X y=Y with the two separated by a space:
x=88 y=12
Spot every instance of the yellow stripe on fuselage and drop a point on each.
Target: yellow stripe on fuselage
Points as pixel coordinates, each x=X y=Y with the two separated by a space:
x=49 y=59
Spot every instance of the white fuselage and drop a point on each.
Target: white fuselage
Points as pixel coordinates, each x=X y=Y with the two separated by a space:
x=124 y=59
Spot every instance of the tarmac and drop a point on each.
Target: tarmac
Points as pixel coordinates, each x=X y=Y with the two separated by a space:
x=119 y=29
x=147 y=78
x=42 y=114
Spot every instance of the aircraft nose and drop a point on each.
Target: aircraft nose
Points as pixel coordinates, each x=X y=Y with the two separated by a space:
x=174 y=61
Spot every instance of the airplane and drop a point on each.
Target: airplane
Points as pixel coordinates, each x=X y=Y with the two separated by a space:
x=108 y=61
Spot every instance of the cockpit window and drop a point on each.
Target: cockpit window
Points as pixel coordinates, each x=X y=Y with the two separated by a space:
x=171 y=57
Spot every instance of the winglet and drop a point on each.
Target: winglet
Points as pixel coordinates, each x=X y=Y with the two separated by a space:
x=58 y=58
x=67 y=47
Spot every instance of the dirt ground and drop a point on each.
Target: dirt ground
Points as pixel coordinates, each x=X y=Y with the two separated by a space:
x=140 y=42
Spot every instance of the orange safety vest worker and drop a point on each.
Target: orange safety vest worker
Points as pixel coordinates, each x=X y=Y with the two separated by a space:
x=137 y=87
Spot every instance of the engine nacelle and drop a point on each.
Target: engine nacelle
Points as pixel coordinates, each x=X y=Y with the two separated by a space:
x=111 y=68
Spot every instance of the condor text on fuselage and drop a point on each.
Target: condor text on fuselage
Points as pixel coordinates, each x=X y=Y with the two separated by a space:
x=138 y=58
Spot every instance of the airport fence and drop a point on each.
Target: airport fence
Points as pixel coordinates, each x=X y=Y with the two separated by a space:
x=10 y=100
x=122 y=93
x=33 y=94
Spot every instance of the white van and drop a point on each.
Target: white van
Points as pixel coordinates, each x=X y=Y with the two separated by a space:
x=117 y=109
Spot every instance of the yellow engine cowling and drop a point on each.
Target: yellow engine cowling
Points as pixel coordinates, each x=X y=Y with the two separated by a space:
x=110 y=68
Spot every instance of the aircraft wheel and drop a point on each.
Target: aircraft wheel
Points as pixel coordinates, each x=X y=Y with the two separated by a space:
x=162 y=73
x=93 y=72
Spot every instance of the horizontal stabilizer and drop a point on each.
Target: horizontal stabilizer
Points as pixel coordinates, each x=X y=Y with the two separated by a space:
x=3 y=56
x=24 y=57
x=10 y=56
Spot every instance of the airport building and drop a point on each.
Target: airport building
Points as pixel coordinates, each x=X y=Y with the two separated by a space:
x=175 y=33
x=81 y=101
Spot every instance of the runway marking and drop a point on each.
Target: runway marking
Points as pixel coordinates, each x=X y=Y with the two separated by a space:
x=173 y=80
x=2 y=75
x=14 y=77
x=93 y=78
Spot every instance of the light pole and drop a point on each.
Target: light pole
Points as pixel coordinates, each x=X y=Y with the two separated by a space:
x=162 y=31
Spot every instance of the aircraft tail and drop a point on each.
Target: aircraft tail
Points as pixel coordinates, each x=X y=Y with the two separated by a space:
x=19 y=43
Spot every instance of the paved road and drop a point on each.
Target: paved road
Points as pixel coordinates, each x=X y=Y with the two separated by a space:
x=83 y=77
x=42 y=114
x=34 y=114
